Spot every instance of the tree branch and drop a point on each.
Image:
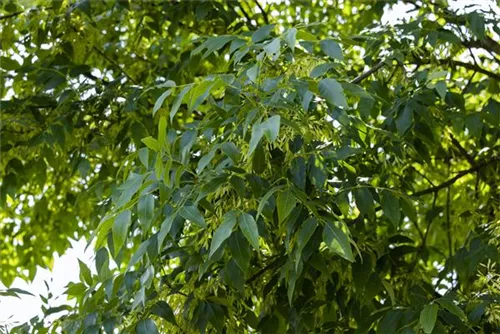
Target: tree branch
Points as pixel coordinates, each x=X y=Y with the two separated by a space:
x=366 y=74
x=455 y=178
x=264 y=14
x=275 y=263
x=246 y=15
x=114 y=63
x=458 y=63
x=8 y=16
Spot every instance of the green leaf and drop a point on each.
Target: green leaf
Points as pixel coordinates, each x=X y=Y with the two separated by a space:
x=428 y=318
x=187 y=141
x=408 y=207
x=262 y=33
x=331 y=49
x=158 y=166
x=476 y=22
x=160 y=100
x=145 y=208
x=102 y=263
x=337 y=241
x=194 y=215
x=356 y=90
x=265 y=198
x=441 y=89
x=306 y=36
x=231 y=150
x=332 y=92
x=151 y=143
x=165 y=228
x=272 y=49
x=214 y=44
x=146 y=326
x=290 y=37
x=223 y=231
x=259 y=160
x=364 y=201
x=143 y=247
x=249 y=229
x=240 y=250
x=253 y=73
x=305 y=233
x=199 y=93
x=286 y=202
x=234 y=276
x=321 y=69
x=405 y=119
x=162 y=133
x=271 y=127
x=163 y=310
x=448 y=304
x=205 y=160
x=257 y=133
x=178 y=101
x=129 y=188
x=9 y=64
x=437 y=75
x=390 y=205
x=85 y=274
x=120 y=229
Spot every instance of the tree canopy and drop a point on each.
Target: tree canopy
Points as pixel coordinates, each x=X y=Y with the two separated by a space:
x=241 y=167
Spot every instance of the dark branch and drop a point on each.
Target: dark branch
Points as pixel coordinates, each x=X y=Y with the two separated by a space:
x=487 y=43
x=458 y=63
x=455 y=178
x=8 y=16
x=366 y=74
x=462 y=150
x=114 y=63
x=275 y=264
x=471 y=67
x=245 y=14
x=264 y=13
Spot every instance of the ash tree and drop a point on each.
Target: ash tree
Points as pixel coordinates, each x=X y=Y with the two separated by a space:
x=241 y=167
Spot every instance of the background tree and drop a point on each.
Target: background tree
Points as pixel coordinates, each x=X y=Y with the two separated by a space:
x=243 y=167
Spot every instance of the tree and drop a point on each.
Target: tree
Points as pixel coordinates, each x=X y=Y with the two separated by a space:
x=241 y=167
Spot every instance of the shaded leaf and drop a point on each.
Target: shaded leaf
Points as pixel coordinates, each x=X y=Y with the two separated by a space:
x=286 y=202
x=333 y=92
x=428 y=318
x=194 y=215
x=337 y=241
x=249 y=229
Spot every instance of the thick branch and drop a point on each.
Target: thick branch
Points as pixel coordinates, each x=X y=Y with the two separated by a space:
x=471 y=67
x=487 y=43
x=455 y=178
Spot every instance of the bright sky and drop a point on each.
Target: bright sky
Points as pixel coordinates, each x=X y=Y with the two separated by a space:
x=66 y=267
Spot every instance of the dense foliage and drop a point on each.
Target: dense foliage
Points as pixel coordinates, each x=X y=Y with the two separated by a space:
x=248 y=167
